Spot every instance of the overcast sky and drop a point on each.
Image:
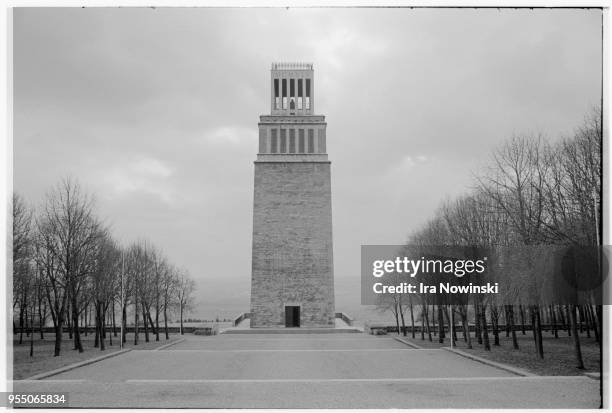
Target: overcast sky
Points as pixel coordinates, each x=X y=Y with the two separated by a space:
x=155 y=111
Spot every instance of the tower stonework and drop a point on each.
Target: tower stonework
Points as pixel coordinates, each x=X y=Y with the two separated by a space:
x=292 y=282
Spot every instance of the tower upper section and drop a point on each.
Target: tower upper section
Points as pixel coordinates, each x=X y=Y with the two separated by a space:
x=292 y=132
x=292 y=91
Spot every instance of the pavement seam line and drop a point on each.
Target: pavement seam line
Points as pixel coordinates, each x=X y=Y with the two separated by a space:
x=73 y=366
x=165 y=346
x=378 y=350
x=501 y=366
x=348 y=380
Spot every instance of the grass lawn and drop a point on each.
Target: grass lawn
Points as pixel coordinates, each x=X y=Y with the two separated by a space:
x=559 y=358
x=25 y=366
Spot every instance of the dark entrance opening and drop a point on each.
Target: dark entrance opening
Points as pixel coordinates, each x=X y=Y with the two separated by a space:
x=292 y=316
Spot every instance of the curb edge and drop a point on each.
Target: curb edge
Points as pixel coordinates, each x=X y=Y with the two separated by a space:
x=513 y=370
x=73 y=366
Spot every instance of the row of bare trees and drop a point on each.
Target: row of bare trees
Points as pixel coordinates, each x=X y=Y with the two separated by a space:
x=533 y=194
x=67 y=266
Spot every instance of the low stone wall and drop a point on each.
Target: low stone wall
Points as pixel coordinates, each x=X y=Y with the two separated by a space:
x=345 y=317
x=207 y=331
x=241 y=318
x=370 y=328
x=109 y=329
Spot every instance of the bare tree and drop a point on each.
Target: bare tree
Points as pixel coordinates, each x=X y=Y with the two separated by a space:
x=184 y=294
x=22 y=255
x=169 y=283
x=104 y=282
x=390 y=302
x=69 y=236
x=515 y=184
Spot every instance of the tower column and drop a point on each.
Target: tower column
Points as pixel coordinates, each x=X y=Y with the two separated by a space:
x=292 y=281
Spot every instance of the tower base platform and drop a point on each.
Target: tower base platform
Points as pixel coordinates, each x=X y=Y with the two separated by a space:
x=286 y=330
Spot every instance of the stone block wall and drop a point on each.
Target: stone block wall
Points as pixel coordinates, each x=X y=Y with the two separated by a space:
x=292 y=244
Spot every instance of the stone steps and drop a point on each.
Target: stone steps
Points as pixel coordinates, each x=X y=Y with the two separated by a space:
x=291 y=331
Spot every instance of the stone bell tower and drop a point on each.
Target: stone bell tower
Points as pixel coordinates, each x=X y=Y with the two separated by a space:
x=292 y=282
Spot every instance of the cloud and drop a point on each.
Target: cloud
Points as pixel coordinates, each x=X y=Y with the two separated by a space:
x=405 y=164
x=346 y=44
x=145 y=175
x=230 y=135
x=151 y=167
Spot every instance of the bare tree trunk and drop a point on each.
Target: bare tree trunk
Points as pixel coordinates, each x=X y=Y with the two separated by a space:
x=156 y=323
x=32 y=333
x=69 y=321
x=135 y=324
x=427 y=321
x=450 y=320
x=587 y=322
x=21 y=323
x=466 y=328
x=182 y=319
x=114 y=325
x=42 y=318
x=495 y=324
x=577 y=349
x=110 y=336
x=441 y=334
x=145 y=322
x=477 y=322
x=533 y=327
x=401 y=311
x=564 y=326
x=102 y=327
x=539 y=332
x=151 y=323
x=485 y=331
x=84 y=320
x=433 y=318
x=58 y=339
x=422 y=323
x=412 y=319
x=396 y=315
x=598 y=317
x=75 y=319
x=103 y=315
x=97 y=327
x=166 y=323
x=510 y=312
x=522 y=314
x=124 y=323
x=553 y=321
x=594 y=323
x=27 y=322
x=507 y=321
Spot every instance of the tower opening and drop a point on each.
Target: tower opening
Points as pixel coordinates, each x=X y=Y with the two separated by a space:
x=292 y=316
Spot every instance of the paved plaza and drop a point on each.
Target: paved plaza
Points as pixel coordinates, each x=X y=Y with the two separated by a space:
x=307 y=371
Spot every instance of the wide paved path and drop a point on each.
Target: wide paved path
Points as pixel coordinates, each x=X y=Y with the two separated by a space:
x=307 y=371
